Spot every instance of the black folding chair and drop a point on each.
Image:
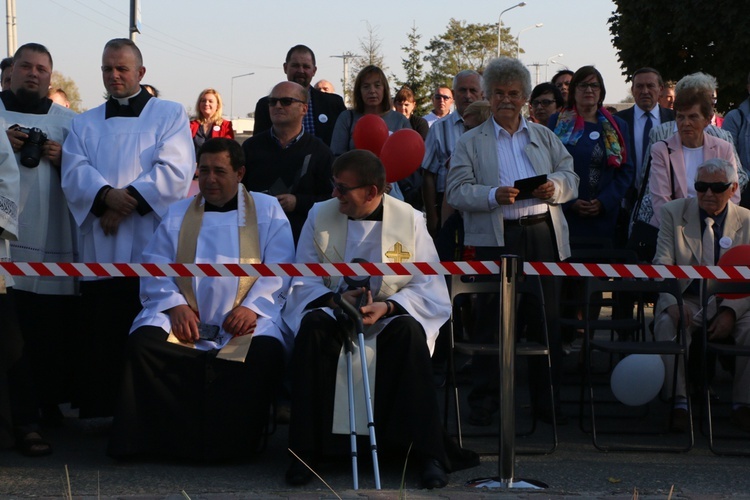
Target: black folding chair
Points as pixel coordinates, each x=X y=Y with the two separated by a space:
x=711 y=288
x=461 y=285
x=641 y=342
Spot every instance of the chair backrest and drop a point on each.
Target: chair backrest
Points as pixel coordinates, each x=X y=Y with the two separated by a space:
x=461 y=284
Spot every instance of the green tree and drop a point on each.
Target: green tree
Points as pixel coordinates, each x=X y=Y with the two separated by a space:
x=60 y=81
x=465 y=46
x=679 y=38
x=370 y=53
x=414 y=67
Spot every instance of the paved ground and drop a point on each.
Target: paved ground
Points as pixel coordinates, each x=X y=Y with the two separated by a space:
x=575 y=470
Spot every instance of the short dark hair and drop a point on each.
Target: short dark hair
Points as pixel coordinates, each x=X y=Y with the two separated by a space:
x=561 y=73
x=6 y=63
x=34 y=47
x=220 y=145
x=579 y=76
x=359 y=102
x=151 y=89
x=300 y=48
x=646 y=69
x=548 y=88
x=365 y=165
x=120 y=43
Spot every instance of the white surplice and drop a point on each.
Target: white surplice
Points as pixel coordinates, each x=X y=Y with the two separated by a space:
x=153 y=153
x=218 y=243
x=425 y=297
x=9 y=194
x=46 y=229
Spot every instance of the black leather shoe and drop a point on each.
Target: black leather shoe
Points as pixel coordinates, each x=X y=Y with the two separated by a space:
x=433 y=474
x=480 y=417
x=741 y=418
x=679 y=420
x=297 y=474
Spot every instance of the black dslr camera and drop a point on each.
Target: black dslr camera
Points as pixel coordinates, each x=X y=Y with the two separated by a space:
x=31 y=151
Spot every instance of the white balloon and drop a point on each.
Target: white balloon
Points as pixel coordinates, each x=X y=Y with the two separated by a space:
x=637 y=379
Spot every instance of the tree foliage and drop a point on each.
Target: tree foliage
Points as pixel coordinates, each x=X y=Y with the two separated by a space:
x=679 y=38
x=60 y=81
x=465 y=46
x=370 y=53
x=414 y=67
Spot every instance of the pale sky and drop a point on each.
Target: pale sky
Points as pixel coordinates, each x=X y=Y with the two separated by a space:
x=189 y=45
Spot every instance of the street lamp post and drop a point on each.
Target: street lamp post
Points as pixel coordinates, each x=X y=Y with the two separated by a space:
x=231 y=107
x=546 y=66
x=518 y=38
x=500 y=24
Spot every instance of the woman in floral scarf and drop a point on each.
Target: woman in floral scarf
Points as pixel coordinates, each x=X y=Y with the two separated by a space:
x=596 y=140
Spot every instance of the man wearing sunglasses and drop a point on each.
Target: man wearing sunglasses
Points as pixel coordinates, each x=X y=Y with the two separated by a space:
x=442 y=100
x=287 y=162
x=698 y=231
x=322 y=108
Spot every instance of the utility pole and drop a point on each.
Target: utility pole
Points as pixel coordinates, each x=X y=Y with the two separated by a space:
x=10 y=26
x=346 y=56
x=135 y=18
x=537 y=66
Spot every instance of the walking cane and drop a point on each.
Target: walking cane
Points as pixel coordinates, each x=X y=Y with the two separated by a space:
x=342 y=318
x=356 y=317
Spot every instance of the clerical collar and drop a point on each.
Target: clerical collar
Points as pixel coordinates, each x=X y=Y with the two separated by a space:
x=375 y=215
x=31 y=106
x=228 y=206
x=127 y=107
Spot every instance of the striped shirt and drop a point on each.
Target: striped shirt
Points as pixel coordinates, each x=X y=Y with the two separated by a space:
x=439 y=145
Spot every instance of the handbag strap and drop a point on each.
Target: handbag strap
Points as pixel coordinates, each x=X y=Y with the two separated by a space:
x=642 y=191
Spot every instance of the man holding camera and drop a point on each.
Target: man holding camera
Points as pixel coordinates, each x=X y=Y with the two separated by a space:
x=36 y=128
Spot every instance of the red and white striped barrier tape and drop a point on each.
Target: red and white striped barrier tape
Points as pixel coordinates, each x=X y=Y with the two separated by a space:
x=95 y=270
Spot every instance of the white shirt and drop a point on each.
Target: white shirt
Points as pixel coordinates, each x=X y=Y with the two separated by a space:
x=639 y=123
x=514 y=165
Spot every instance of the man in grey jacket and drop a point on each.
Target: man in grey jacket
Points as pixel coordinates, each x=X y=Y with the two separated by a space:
x=502 y=219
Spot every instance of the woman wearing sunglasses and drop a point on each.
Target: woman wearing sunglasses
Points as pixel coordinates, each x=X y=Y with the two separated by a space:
x=675 y=161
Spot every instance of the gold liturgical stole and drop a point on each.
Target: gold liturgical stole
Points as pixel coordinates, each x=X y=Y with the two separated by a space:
x=236 y=349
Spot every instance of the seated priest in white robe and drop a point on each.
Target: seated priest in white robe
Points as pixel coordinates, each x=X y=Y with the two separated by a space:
x=206 y=353
x=402 y=316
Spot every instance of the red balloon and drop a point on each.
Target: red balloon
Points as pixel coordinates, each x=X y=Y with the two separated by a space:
x=370 y=133
x=402 y=154
x=736 y=256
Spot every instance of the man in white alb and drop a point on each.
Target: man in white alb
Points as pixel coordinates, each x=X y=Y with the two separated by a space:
x=124 y=163
x=205 y=354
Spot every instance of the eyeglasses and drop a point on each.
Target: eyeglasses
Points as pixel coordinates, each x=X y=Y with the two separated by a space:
x=542 y=102
x=285 y=101
x=343 y=189
x=442 y=97
x=716 y=187
x=586 y=86
x=513 y=96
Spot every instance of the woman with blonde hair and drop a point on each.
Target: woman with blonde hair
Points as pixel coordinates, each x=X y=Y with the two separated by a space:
x=208 y=122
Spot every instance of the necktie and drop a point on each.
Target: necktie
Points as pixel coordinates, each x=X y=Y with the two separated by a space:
x=707 y=256
x=646 y=129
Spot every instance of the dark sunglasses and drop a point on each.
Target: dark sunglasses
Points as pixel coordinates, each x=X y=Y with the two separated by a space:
x=716 y=187
x=285 y=101
x=442 y=97
x=341 y=188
